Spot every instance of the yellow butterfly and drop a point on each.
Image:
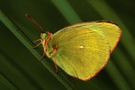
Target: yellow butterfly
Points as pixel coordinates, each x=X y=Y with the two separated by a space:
x=81 y=50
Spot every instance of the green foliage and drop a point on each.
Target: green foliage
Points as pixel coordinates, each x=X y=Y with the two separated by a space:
x=19 y=65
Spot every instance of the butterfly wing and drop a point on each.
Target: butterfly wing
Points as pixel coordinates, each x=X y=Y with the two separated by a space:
x=81 y=53
x=107 y=29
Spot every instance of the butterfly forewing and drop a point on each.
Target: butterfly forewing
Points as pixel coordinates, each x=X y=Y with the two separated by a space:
x=81 y=52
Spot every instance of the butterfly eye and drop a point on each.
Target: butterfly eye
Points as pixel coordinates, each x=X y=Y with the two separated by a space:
x=43 y=35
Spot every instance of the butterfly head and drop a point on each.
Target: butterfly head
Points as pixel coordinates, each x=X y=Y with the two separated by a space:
x=43 y=35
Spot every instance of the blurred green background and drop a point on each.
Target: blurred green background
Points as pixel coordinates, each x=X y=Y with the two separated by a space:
x=20 y=68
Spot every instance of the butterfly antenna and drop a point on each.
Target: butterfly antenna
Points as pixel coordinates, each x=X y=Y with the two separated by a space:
x=32 y=20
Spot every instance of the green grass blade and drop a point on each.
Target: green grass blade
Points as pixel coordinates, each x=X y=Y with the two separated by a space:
x=67 y=11
x=5 y=84
x=117 y=77
x=27 y=44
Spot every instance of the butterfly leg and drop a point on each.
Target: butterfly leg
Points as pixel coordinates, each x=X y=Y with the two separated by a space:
x=55 y=64
x=37 y=40
x=55 y=48
x=43 y=53
x=42 y=56
x=37 y=44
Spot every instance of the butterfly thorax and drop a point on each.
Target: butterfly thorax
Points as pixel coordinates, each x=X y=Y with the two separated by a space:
x=45 y=38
